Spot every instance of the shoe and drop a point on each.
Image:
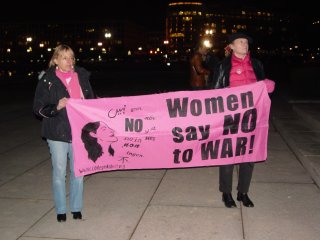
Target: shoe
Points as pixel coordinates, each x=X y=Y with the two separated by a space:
x=244 y=198
x=61 y=217
x=228 y=200
x=77 y=215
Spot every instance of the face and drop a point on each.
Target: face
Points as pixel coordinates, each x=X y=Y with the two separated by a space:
x=105 y=134
x=65 y=61
x=240 y=47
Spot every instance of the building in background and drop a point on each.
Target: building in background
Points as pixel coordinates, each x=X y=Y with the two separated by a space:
x=184 y=26
x=26 y=47
x=277 y=34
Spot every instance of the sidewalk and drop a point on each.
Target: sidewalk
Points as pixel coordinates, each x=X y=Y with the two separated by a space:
x=175 y=204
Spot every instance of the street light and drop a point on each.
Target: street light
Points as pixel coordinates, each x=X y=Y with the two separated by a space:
x=107 y=35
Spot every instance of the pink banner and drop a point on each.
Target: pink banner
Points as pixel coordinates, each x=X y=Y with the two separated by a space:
x=170 y=130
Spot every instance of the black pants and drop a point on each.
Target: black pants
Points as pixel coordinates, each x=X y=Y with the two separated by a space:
x=245 y=175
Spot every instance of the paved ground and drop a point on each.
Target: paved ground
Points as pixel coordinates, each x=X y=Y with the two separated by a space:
x=175 y=204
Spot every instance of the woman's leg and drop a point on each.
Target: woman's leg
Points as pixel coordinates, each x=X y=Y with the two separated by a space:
x=245 y=175
x=76 y=186
x=59 y=151
x=225 y=178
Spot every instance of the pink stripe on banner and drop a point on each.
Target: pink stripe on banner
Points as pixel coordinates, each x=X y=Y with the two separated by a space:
x=170 y=130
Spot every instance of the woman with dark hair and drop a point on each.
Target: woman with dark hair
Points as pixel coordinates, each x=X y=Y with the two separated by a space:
x=199 y=71
x=96 y=136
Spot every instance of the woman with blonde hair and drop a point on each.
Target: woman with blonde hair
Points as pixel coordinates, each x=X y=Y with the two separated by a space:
x=60 y=82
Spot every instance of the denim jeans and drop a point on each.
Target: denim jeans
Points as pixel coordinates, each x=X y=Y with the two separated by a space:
x=60 y=153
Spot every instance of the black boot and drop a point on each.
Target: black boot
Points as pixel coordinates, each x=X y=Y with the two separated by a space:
x=61 y=217
x=77 y=215
x=244 y=198
x=228 y=200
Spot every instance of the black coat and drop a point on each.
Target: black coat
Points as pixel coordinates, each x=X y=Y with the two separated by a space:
x=50 y=89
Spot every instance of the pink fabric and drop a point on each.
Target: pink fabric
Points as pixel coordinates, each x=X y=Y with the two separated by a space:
x=170 y=130
x=71 y=82
x=270 y=84
x=241 y=72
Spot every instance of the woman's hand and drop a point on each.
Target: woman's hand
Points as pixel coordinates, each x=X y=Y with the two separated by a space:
x=62 y=103
x=269 y=84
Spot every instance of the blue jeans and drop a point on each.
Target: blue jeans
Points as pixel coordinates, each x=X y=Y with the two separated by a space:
x=60 y=153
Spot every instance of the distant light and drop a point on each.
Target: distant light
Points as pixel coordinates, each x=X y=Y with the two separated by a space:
x=185 y=3
x=99 y=44
x=168 y=64
x=29 y=39
x=140 y=48
x=107 y=35
x=207 y=43
x=41 y=45
x=8 y=50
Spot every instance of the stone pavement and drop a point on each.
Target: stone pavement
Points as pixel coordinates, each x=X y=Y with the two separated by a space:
x=174 y=204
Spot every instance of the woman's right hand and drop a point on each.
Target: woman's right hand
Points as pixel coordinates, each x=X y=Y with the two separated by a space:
x=62 y=103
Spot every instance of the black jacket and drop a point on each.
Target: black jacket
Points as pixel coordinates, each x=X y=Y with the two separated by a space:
x=50 y=89
x=221 y=78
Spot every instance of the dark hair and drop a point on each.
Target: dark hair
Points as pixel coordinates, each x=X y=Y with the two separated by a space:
x=91 y=144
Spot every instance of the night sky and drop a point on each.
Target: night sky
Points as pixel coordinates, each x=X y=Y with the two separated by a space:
x=91 y=10
x=149 y=13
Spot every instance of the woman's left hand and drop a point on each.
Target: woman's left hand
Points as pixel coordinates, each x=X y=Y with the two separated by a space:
x=270 y=84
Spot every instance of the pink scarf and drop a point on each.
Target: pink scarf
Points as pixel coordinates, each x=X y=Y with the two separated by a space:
x=71 y=82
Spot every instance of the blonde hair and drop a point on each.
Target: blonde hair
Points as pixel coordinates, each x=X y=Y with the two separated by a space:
x=57 y=51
